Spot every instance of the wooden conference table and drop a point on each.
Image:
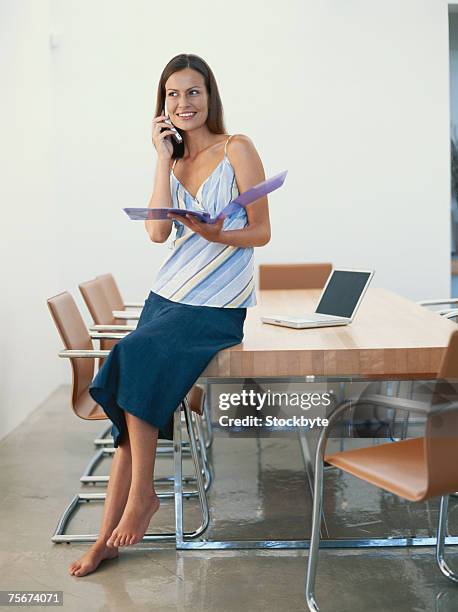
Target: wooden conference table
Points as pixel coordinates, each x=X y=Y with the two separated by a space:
x=390 y=338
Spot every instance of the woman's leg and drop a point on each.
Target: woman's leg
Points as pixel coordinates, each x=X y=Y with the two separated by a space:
x=117 y=494
x=142 y=503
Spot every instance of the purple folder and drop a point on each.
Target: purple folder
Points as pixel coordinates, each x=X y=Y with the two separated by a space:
x=242 y=200
x=146 y=214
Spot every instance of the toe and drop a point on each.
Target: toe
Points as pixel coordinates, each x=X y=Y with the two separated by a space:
x=112 y=539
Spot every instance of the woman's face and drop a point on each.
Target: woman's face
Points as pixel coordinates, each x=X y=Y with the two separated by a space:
x=187 y=99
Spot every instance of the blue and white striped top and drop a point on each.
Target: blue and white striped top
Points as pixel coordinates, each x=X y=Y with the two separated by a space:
x=203 y=273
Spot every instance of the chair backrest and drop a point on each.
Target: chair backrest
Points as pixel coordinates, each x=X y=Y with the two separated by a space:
x=98 y=305
x=74 y=334
x=112 y=292
x=441 y=441
x=294 y=276
x=113 y=295
x=196 y=399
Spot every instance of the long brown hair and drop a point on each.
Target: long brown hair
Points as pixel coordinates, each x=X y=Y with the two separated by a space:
x=215 y=119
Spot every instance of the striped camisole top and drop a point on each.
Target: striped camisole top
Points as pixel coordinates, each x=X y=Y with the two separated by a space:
x=203 y=273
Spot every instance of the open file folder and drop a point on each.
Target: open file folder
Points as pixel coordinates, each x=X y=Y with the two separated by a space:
x=242 y=200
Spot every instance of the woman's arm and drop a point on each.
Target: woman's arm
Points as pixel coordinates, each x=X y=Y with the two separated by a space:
x=248 y=172
x=161 y=197
x=159 y=231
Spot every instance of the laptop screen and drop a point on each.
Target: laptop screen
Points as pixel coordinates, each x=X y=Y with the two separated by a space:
x=342 y=293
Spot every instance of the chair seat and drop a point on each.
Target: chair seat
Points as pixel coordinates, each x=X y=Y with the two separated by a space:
x=86 y=408
x=397 y=467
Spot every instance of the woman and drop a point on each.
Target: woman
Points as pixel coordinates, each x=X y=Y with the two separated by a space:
x=198 y=302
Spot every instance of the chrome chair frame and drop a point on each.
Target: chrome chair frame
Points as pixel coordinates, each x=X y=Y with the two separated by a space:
x=179 y=536
x=386 y=402
x=450 y=314
x=445 y=312
x=438 y=302
x=88 y=477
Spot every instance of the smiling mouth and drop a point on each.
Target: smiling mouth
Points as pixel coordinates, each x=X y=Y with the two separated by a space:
x=186 y=115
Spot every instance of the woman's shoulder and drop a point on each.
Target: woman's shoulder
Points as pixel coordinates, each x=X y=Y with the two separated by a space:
x=241 y=151
x=239 y=141
x=240 y=148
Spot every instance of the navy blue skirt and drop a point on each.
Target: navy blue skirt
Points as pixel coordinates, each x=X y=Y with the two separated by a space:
x=150 y=371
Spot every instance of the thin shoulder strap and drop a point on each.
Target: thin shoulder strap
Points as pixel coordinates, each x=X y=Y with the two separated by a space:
x=225 y=146
x=174 y=163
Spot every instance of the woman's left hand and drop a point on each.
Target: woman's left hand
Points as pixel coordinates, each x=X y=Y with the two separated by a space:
x=210 y=231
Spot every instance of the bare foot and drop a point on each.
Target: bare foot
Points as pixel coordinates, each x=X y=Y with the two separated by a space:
x=134 y=521
x=92 y=559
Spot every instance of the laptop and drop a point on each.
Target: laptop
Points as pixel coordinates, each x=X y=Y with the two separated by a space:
x=338 y=303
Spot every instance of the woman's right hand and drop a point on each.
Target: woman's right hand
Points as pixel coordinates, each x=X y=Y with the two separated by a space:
x=161 y=140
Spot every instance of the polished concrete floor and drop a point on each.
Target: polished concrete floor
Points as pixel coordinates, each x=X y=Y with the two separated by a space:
x=258 y=492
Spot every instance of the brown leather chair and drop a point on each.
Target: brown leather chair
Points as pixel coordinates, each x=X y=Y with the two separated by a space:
x=114 y=297
x=110 y=286
x=101 y=297
x=75 y=336
x=415 y=469
x=99 y=307
x=79 y=349
x=294 y=276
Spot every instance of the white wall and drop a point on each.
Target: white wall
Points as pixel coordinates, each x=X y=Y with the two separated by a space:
x=351 y=97
x=29 y=369
x=453 y=30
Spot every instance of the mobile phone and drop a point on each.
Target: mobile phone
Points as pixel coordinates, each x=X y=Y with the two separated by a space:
x=176 y=135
